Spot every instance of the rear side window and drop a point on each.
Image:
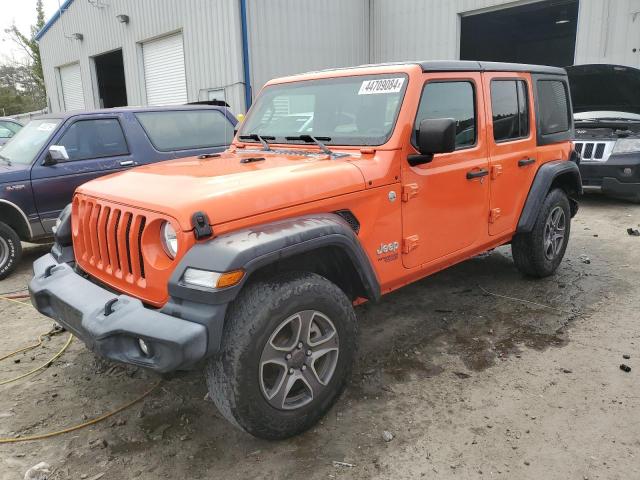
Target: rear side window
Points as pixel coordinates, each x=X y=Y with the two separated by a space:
x=182 y=130
x=450 y=100
x=98 y=138
x=510 y=109
x=554 y=106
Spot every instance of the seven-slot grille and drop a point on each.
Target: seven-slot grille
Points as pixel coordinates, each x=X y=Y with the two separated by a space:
x=591 y=150
x=109 y=239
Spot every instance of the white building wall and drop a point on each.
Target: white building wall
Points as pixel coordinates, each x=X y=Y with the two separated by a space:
x=212 y=45
x=293 y=36
x=608 y=30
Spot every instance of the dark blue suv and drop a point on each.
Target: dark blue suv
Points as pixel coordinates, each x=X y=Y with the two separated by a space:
x=41 y=166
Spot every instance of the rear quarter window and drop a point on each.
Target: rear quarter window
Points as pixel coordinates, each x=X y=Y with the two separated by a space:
x=186 y=129
x=554 y=107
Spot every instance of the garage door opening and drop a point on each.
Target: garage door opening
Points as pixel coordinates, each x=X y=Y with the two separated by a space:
x=542 y=33
x=111 y=84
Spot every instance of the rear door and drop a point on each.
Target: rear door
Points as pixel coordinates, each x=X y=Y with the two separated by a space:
x=96 y=146
x=444 y=208
x=512 y=146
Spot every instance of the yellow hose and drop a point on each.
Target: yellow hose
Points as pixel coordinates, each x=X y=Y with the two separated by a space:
x=45 y=365
x=41 y=367
x=82 y=425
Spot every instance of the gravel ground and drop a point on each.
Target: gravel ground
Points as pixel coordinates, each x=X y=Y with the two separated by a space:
x=467 y=384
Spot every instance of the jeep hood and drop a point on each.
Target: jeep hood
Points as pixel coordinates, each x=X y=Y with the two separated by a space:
x=229 y=187
x=611 y=88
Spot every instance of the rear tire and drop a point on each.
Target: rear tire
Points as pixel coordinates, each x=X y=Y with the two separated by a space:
x=10 y=250
x=539 y=252
x=263 y=381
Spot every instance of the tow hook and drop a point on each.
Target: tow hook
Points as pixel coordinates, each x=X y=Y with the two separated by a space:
x=108 y=307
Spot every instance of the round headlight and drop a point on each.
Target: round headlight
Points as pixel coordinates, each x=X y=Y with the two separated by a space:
x=169 y=239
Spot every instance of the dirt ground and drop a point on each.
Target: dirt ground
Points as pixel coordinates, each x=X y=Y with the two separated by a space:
x=470 y=384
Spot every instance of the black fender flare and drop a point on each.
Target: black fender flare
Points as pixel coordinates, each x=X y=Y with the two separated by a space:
x=545 y=176
x=260 y=245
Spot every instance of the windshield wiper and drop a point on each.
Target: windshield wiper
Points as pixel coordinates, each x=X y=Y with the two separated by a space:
x=317 y=140
x=2 y=157
x=258 y=138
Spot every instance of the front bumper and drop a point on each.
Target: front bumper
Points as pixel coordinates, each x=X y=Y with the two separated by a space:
x=618 y=177
x=176 y=341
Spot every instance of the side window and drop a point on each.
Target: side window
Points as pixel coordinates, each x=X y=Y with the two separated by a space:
x=185 y=129
x=450 y=100
x=510 y=109
x=8 y=129
x=98 y=138
x=554 y=108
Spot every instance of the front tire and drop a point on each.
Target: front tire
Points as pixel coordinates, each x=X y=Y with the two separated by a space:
x=539 y=252
x=287 y=352
x=10 y=250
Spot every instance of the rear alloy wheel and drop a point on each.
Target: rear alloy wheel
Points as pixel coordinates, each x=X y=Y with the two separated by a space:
x=287 y=350
x=10 y=250
x=539 y=252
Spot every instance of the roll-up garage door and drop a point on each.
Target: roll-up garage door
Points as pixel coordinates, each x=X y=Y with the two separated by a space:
x=72 y=93
x=164 y=75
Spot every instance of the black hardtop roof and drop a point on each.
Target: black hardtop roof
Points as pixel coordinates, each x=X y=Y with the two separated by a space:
x=465 y=66
x=469 y=65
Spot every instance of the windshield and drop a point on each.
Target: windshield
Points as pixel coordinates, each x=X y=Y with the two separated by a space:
x=26 y=144
x=359 y=110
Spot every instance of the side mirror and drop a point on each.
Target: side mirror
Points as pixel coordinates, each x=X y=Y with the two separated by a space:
x=56 y=153
x=436 y=135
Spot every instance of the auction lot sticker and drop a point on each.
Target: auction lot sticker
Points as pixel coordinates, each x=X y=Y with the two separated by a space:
x=381 y=85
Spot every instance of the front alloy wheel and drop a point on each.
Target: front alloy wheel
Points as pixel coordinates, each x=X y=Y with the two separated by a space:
x=299 y=360
x=288 y=345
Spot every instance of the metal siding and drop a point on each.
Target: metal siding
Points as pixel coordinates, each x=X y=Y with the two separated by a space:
x=212 y=46
x=290 y=36
x=293 y=36
x=608 y=30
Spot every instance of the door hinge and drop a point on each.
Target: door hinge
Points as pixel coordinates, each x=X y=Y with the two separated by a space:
x=496 y=171
x=410 y=243
x=409 y=191
x=494 y=215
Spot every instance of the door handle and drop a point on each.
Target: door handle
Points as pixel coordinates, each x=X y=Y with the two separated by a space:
x=126 y=163
x=477 y=174
x=526 y=161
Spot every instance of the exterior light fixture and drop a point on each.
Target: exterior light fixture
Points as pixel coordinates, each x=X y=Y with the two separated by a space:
x=123 y=18
x=560 y=22
x=77 y=36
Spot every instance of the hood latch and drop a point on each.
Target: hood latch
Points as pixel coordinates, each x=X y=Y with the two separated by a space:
x=200 y=224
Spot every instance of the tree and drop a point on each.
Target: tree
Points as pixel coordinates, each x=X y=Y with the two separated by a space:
x=26 y=79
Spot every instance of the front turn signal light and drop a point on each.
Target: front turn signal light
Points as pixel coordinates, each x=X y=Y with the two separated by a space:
x=214 y=280
x=229 y=279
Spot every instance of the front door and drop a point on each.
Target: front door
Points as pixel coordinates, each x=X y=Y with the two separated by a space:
x=445 y=202
x=512 y=147
x=95 y=146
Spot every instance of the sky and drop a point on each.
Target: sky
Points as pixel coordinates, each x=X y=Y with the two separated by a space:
x=23 y=13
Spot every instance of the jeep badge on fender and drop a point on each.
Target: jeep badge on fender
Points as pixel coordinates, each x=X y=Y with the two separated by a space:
x=262 y=284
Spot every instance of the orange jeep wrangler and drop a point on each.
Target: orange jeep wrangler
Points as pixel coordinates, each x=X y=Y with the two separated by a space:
x=340 y=186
